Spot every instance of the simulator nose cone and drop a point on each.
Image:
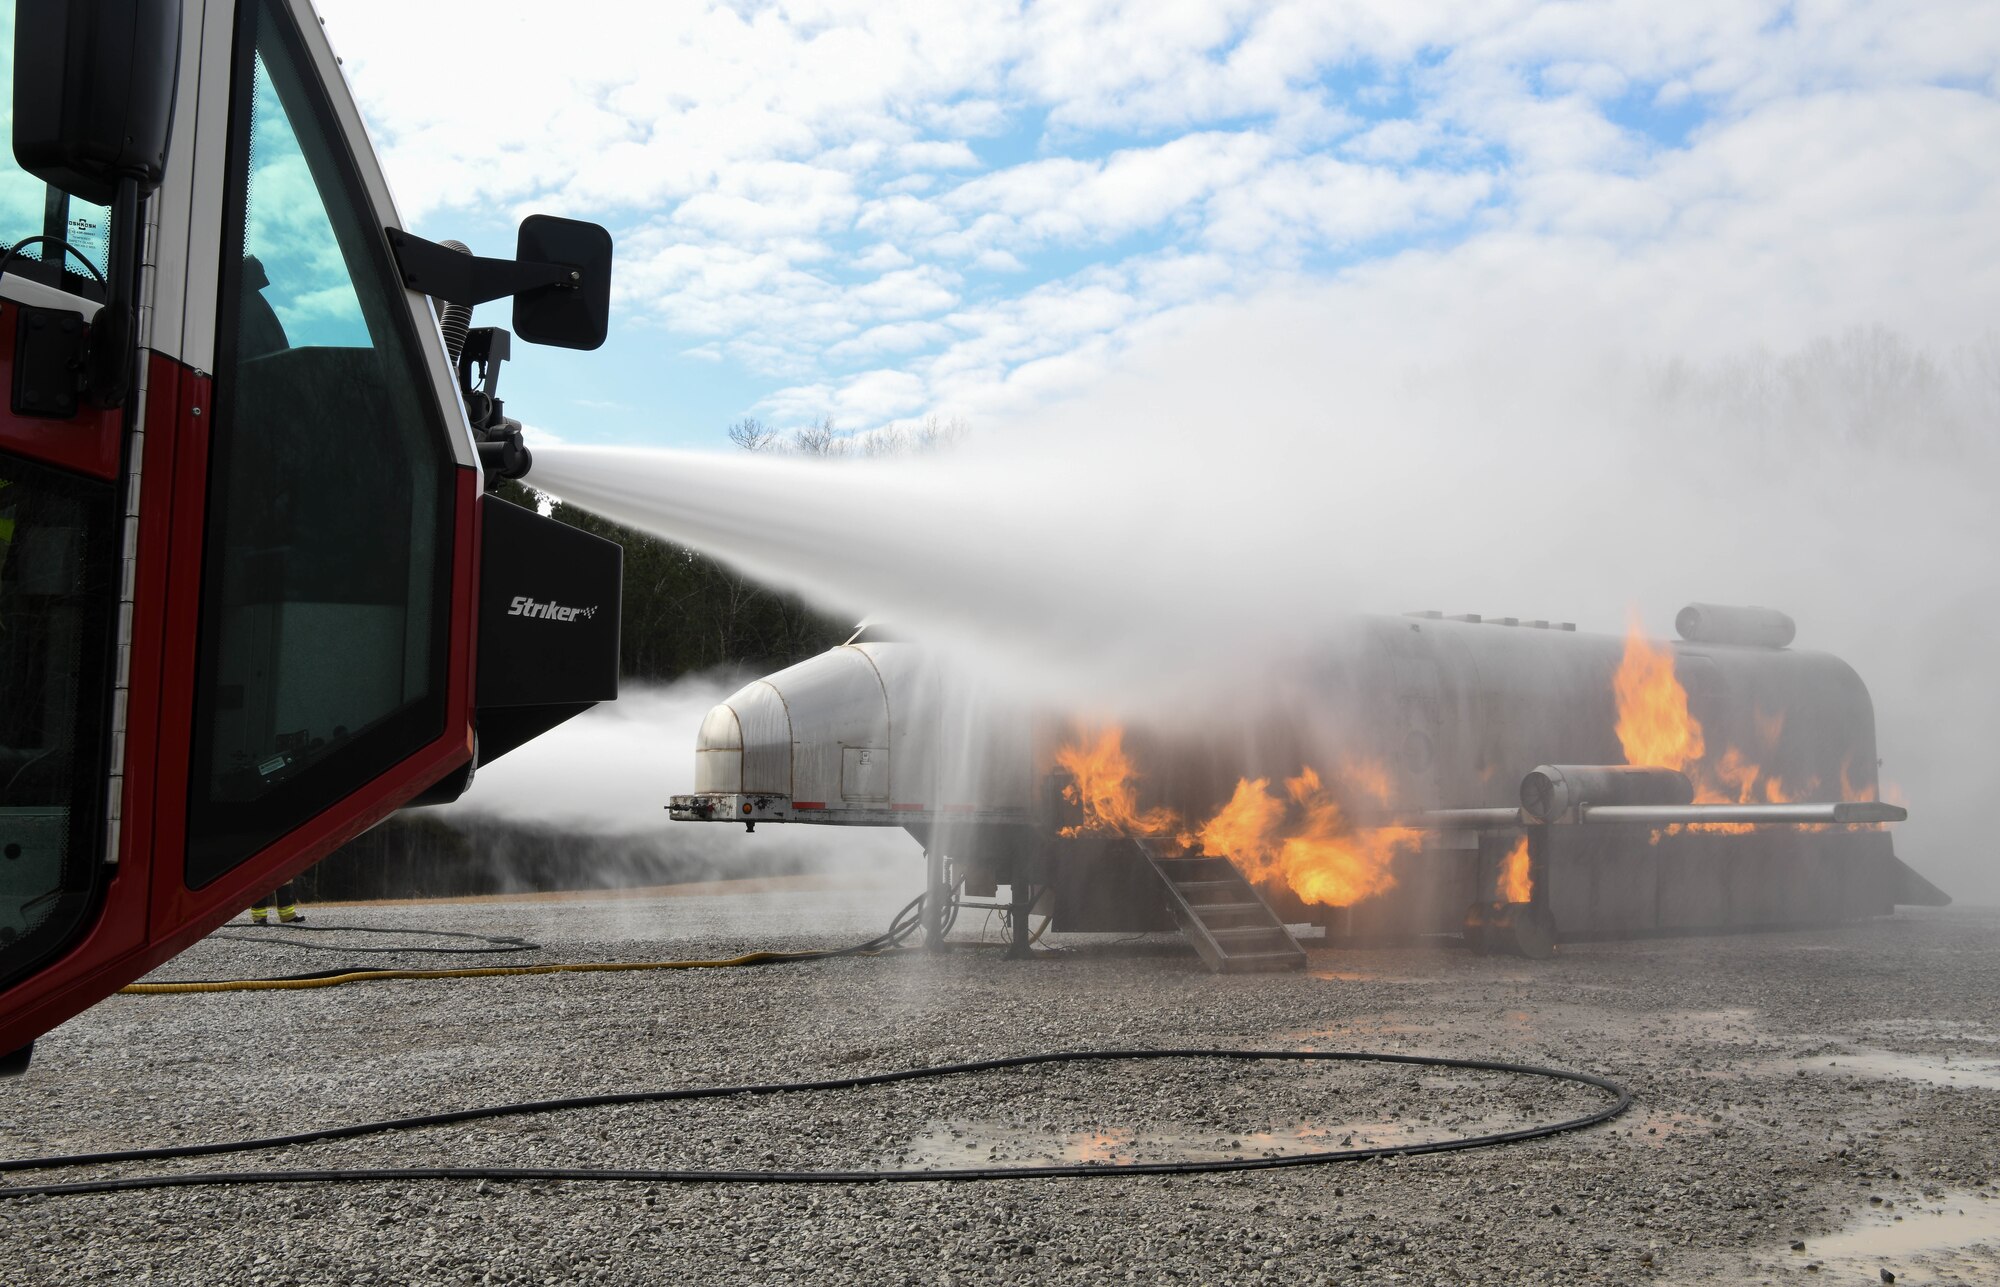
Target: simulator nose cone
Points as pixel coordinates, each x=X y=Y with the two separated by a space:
x=718 y=752
x=745 y=744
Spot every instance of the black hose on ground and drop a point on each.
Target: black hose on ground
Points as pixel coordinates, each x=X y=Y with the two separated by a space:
x=1622 y=1099
x=495 y=942
x=906 y=922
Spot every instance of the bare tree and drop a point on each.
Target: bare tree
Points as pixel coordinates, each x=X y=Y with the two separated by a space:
x=752 y=434
x=1869 y=385
x=887 y=441
x=819 y=439
x=934 y=433
x=823 y=438
x=938 y=433
x=1866 y=388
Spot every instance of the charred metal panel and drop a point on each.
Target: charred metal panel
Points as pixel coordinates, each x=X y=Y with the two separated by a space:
x=1603 y=878
x=1617 y=881
x=1105 y=886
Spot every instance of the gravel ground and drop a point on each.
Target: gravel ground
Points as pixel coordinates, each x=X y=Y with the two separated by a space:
x=1815 y=1106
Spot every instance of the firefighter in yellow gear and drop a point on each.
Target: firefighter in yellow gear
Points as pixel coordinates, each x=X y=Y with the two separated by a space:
x=280 y=899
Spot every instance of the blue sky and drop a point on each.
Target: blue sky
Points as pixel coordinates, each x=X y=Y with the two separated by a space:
x=878 y=212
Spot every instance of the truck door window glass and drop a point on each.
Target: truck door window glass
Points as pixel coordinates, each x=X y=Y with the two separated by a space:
x=29 y=207
x=323 y=627
x=58 y=586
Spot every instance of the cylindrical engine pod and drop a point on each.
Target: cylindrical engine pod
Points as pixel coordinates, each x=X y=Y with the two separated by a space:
x=1552 y=790
x=1718 y=623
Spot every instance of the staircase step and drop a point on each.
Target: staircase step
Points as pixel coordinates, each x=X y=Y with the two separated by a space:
x=1199 y=867
x=1222 y=915
x=1263 y=962
x=1244 y=933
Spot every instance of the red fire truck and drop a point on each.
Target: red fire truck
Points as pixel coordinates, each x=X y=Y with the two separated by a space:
x=254 y=589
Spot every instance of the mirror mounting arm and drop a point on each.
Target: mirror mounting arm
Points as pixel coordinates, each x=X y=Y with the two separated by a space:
x=456 y=278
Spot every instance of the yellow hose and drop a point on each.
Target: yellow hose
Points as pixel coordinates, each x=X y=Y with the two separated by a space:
x=470 y=972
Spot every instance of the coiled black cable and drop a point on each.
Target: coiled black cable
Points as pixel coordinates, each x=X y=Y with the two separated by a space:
x=1621 y=1100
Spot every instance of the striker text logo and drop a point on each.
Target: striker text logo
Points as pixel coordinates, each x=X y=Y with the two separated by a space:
x=523 y=606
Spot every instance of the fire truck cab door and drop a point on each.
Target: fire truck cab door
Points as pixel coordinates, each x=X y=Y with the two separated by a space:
x=236 y=612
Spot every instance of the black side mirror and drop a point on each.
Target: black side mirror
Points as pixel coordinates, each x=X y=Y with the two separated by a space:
x=560 y=278
x=94 y=88
x=572 y=317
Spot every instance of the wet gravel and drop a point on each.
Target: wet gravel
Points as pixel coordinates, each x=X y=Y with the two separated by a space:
x=1837 y=1089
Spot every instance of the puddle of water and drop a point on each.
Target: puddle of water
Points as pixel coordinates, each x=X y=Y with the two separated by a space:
x=1934 y=1029
x=1345 y=1033
x=1930 y=1070
x=1937 y=1233
x=1733 y=1017
x=964 y=1143
x=1658 y=1128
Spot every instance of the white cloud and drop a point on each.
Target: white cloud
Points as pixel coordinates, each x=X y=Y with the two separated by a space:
x=888 y=338
x=1001 y=197
x=1337 y=203
x=881 y=257
x=953 y=154
x=907 y=292
x=1067 y=200
x=879 y=395
x=1399 y=140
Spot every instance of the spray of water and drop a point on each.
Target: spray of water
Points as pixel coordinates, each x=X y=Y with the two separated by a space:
x=1218 y=505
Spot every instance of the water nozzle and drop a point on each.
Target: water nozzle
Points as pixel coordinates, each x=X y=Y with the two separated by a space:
x=503 y=456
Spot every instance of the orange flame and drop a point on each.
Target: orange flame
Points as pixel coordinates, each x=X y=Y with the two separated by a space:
x=1654 y=725
x=1515 y=884
x=1301 y=839
x=1849 y=790
x=1105 y=784
x=1245 y=825
x=1308 y=844
x=1656 y=728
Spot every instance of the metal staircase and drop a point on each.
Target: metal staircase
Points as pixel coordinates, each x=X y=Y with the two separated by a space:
x=1221 y=913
